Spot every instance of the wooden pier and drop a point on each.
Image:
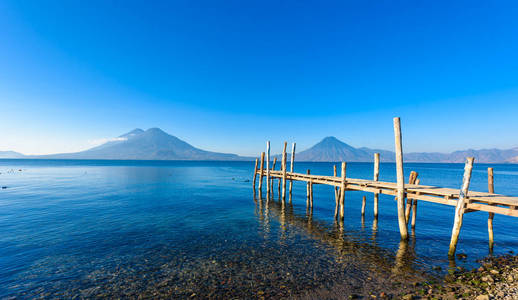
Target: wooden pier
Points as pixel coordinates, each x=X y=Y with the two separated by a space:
x=463 y=199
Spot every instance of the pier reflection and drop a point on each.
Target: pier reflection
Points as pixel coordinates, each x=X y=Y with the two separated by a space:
x=349 y=246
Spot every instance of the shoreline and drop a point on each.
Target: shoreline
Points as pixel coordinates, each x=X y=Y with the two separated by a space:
x=496 y=278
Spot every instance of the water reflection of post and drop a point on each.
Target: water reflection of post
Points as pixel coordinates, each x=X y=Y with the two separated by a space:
x=309 y=210
x=266 y=216
x=400 y=257
x=452 y=265
x=283 y=202
x=404 y=256
x=290 y=210
x=256 y=206
x=260 y=202
x=341 y=235
x=339 y=232
x=310 y=218
x=374 y=230
x=283 y=221
x=259 y=210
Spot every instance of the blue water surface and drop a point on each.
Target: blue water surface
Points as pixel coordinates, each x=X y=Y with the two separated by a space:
x=94 y=228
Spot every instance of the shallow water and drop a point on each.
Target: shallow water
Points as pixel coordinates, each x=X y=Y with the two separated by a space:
x=181 y=229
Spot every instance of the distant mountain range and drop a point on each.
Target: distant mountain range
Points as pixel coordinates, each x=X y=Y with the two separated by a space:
x=155 y=144
x=11 y=154
x=332 y=149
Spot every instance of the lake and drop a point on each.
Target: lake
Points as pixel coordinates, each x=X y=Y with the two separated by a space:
x=193 y=229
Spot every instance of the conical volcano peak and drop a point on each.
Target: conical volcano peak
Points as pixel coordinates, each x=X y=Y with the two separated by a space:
x=330 y=139
x=155 y=130
x=157 y=133
x=134 y=132
x=332 y=149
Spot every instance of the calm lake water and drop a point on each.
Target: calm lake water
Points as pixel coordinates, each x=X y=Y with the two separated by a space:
x=193 y=229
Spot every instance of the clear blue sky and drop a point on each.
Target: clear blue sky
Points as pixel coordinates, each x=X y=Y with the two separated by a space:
x=228 y=75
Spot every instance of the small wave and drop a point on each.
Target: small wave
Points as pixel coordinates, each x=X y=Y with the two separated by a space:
x=512 y=173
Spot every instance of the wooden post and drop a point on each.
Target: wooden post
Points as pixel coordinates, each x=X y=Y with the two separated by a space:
x=337 y=195
x=271 y=179
x=291 y=165
x=490 y=189
x=411 y=180
x=311 y=193
x=279 y=189
x=268 y=168
x=414 y=207
x=342 y=192
x=261 y=171
x=255 y=174
x=461 y=204
x=308 y=190
x=400 y=180
x=284 y=158
x=363 y=206
x=376 y=177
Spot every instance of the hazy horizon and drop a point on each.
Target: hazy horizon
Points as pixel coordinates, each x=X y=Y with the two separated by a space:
x=225 y=78
x=123 y=137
